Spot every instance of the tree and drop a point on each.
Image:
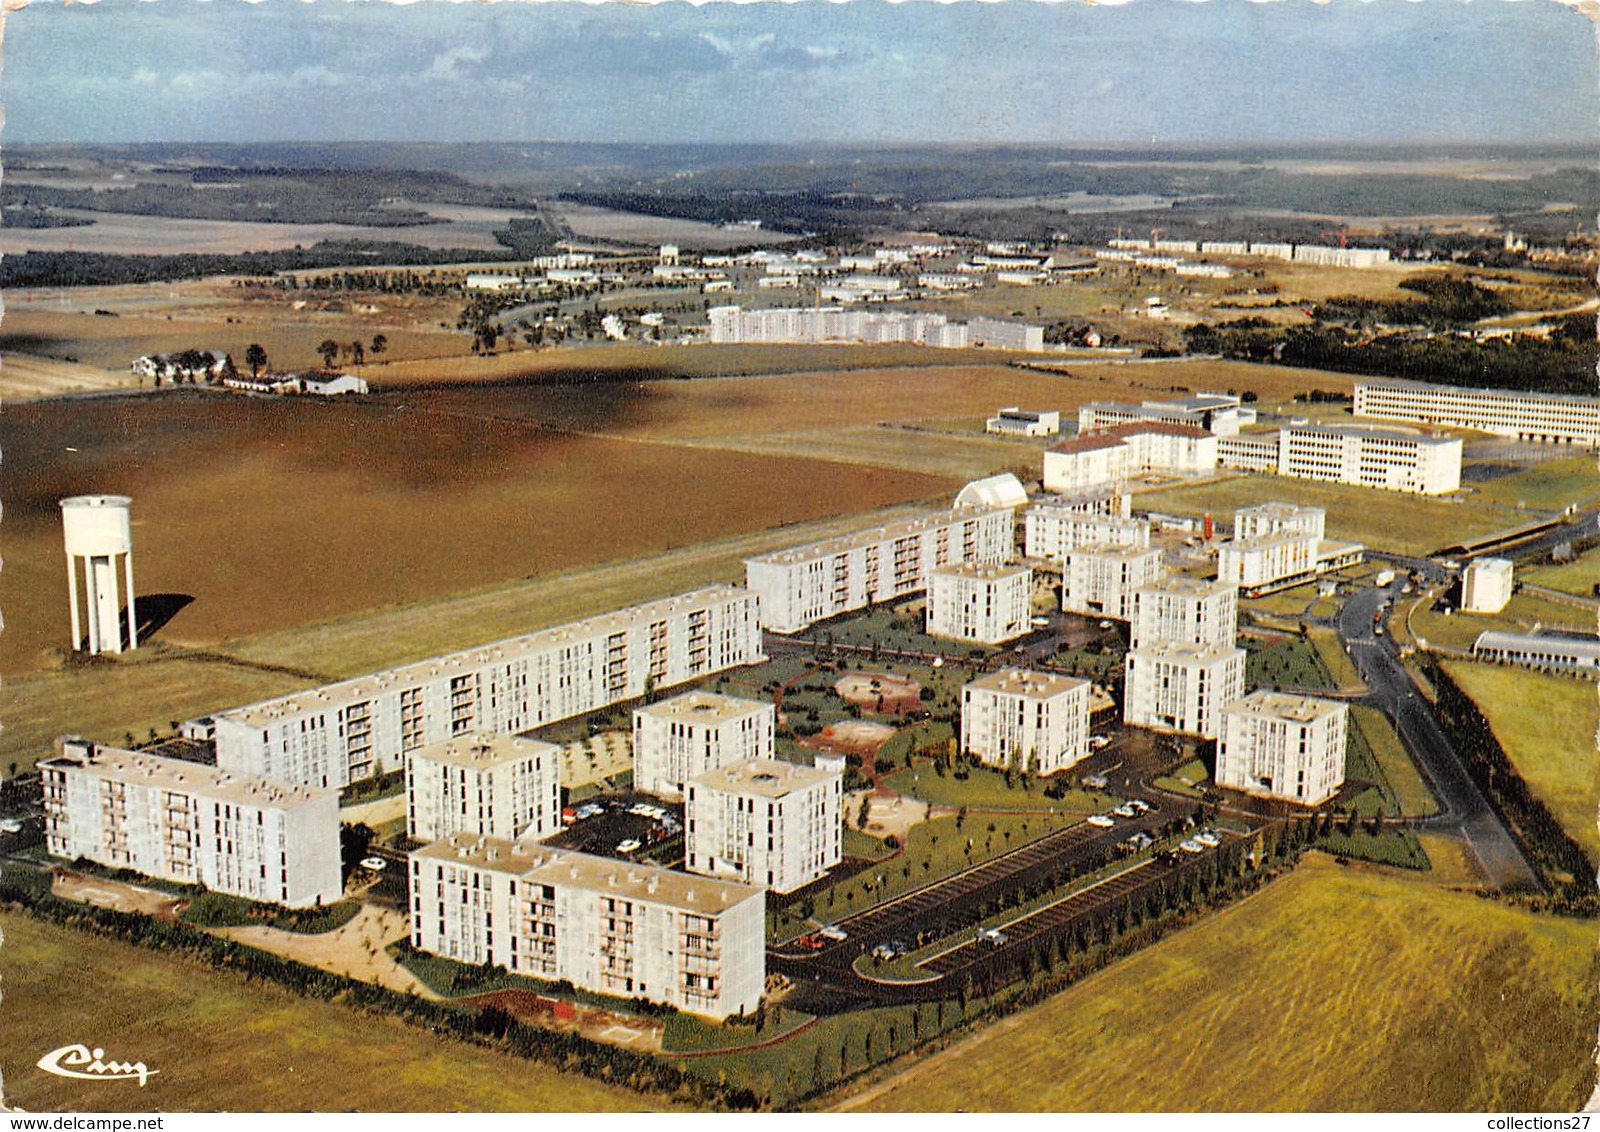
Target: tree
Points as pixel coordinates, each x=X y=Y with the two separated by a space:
x=358 y=352
x=256 y=358
x=380 y=343
x=328 y=350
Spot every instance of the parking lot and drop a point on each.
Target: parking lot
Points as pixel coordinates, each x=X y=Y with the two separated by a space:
x=625 y=826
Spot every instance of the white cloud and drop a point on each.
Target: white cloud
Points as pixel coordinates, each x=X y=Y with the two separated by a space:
x=446 y=66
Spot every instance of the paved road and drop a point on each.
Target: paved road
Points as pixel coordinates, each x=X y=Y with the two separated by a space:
x=1463 y=810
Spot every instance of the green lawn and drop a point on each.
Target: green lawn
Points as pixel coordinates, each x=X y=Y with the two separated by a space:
x=985 y=789
x=1386 y=993
x=1549 y=486
x=1341 y=669
x=1410 y=794
x=1576 y=577
x=1521 y=613
x=219 y=1043
x=1290 y=661
x=1547 y=726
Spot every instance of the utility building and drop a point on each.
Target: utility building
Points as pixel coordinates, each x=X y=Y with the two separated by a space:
x=1486 y=585
x=99 y=532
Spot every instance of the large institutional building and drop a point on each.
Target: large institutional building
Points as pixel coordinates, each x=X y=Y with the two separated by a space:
x=624 y=929
x=1545 y=417
x=1106 y=459
x=803 y=585
x=982 y=602
x=194 y=824
x=1186 y=611
x=1219 y=413
x=678 y=739
x=1182 y=687
x=1384 y=458
x=1101 y=580
x=495 y=785
x=1277 y=745
x=1035 y=721
x=764 y=822
x=732 y=324
x=344 y=732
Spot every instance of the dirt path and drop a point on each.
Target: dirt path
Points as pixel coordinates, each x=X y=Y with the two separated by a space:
x=375 y=812
x=356 y=949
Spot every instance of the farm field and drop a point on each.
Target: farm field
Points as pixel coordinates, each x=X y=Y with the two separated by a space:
x=1547 y=726
x=219 y=1043
x=640 y=228
x=1389 y=993
x=26 y=376
x=304 y=511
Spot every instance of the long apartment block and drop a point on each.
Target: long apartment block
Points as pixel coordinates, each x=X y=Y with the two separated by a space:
x=350 y=730
x=1551 y=418
x=1054 y=527
x=805 y=584
x=620 y=928
x=194 y=824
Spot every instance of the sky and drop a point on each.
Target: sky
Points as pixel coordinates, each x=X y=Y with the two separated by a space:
x=867 y=71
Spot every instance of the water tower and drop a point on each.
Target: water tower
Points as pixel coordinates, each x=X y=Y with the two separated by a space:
x=99 y=529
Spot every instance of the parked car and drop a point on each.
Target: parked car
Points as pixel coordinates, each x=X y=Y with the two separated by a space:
x=994 y=937
x=1191 y=847
x=1208 y=839
x=628 y=845
x=1141 y=805
x=833 y=932
x=1125 y=811
x=1101 y=820
x=811 y=942
x=376 y=864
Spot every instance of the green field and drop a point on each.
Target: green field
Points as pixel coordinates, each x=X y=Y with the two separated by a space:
x=1288 y=662
x=986 y=789
x=1549 y=486
x=1576 y=577
x=1335 y=989
x=1341 y=669
x=1547 y=726
x=1522 y=612
x=218 y=1042
x=1410 y=794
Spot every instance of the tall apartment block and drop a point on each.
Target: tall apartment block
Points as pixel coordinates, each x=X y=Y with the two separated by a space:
x=765 y=822
x=1030 y=720
x=194 y=824
x=350 y=730
x=1182 y=688
x=624 y=929
x=1101 y=580
x=1278 y=745
x=805 y=584
x=1186 y=611
x=678 y=739
x=495 y=785
x=1055 y=526
x=985 y=603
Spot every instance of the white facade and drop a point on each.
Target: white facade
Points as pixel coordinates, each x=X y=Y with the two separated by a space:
x=331 y=384
x=344 y=732
x=1101 y=580
x=987 y=603
x=1387 y=459
x=99 y=532
x=1340 y=257
x=1186 y=611
x=1222 y=414
x=1055 y=526
x=1031 y=721
x=838 y=324
x=495 y=785
x=616 y=927
x=803 y=585
x=1000 y=335
x=764 y=822
x=1251 y=563
x=1538 y=650
x=684 y=737
x=1263 y=519
x=1103 y=460
x=1486 y=585
x=1278 y=745
x=185 y=822
x=1542 y=417
x=1181 y=688
x=1013 y=421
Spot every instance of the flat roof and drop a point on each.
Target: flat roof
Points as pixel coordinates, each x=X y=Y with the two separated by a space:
x=541 y=864
x=181 y=776
x=470 y=660
x=1374 y=431
x=1277 y=507
x=1183 y=651
x=480 y=751
x=1185 y=584
x=1115 y=550
x=983 y=571
x=1028 y=683
x=704 y=707
x=871 y=535
x=770 y=778
x=1117 y=434
x=1286 y=705
x=1480 y=390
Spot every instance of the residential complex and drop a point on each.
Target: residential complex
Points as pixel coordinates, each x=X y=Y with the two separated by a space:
x=983 y=602
x=803 y=585
x=1106 y=459
x=678 y=739
x=194 y=824
x=1280 y=544
x=1033 y=721
x=1278 y=745
x=1186 y=611
x=1545 y=417
x=1056 y=525
x=733 y=324
x=1181 y=687
x=765 y=822
x=495 y=785
x=1486 y=585
x=619 y=928
x=350 y=730
x=1101 y=580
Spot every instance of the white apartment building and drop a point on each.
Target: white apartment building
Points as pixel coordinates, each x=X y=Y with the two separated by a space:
x=350 y=730
x=1104 y=460
x=765 y=822
x=998 y=334
x=1181 y=687
x=1268 y=560
x=1055 y=526
x=1222 y=414
x=1486 y=585
x=684 y=737
x=1340 y=257
x=1035 y=721
x=806 y=584
x=1387 y=459
x=494 y=785
x=193 y=824
x=1186 y=611
x=1014 y=421
x=1101 y=580
x=842 y=324
x=1279 y=745
x=1274 y=518
x=616 y=927
x=1552 y=418
x=983 y=602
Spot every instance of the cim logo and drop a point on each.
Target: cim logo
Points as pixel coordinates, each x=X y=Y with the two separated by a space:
x=86 y=1065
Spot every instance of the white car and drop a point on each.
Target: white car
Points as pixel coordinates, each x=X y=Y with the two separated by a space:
x=627 y=846
x=376 y=864
x=1208 y=839
x=1140 y=805
x=1125 y=811
x=1104 y=821
x=833 y=932
x=1191 y=847
x=1099 y=742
